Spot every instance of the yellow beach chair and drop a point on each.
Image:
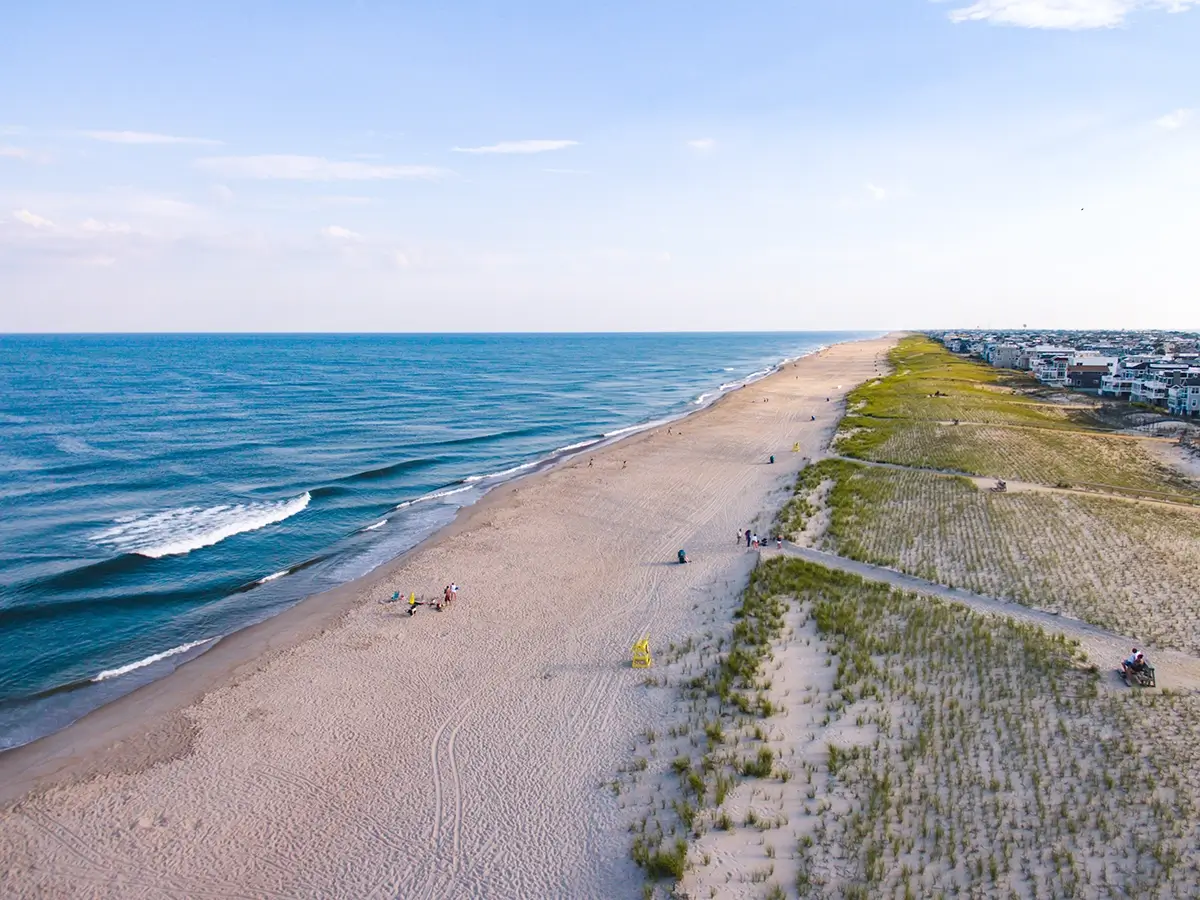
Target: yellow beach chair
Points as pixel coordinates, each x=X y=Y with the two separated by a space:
x=641 y=654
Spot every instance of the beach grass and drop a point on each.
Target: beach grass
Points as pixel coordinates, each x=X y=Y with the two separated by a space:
x=1005 y=426
x=1126 y=567
x=956 y=755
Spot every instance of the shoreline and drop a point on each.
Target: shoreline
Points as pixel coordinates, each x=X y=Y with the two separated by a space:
x=485 y=484
x=172 y=719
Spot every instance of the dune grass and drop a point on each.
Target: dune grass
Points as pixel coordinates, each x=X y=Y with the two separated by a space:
x=986 y=758
x=1004 y=430
x=1127 y=567
x=998 y=766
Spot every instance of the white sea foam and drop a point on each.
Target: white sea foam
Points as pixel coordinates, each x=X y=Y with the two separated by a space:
x=642 y=427
x=73 y=445
x=699 y=401
x=149 y=660
x=177 y=531
x=504 y=473
x=378 y=524
x=272 y=577
x=436 y=495
x=578 y=446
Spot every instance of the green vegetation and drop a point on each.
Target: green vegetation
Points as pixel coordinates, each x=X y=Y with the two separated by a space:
x=987 y=758
x=1107 y=562
x=1004 y=430
x=996 y=765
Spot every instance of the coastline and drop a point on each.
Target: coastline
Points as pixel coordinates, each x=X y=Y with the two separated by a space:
x=145 y=710
x=283 y=570
x=159 y=723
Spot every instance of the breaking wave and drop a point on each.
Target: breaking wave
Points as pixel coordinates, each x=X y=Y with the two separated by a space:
x=178 y=531
x=148 y=661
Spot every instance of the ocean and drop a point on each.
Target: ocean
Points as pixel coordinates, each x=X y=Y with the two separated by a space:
x=158 y=492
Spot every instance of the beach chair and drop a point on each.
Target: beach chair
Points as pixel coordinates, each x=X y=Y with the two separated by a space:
x=641 y=654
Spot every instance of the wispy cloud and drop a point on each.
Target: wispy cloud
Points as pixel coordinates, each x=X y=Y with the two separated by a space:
x=1063 y=14
x=1174 y=121
x=15 y=153
x=567 y=171
x=876 y=191
x=96 y=226
x=31 y=219
x=702 y=144
x=337 y=232
x=519 y=147
x=144 y=137
x=309 y=168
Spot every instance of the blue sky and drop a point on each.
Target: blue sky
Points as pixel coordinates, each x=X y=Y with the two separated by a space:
x=529 y=166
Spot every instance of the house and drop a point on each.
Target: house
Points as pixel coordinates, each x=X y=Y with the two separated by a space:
x=1004 y=356
x=1087 y=375
x=1183 y=399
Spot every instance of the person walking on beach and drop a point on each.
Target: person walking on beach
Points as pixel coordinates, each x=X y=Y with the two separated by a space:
x=754 y=538
x=747 y=538
x=453 y=591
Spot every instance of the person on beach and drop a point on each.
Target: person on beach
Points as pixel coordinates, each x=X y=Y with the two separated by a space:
x=747 y=538
x=453 y=591
x=779 y=542
x=754 y=539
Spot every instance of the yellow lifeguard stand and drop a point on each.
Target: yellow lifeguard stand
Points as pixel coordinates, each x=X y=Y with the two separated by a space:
x=641 y=654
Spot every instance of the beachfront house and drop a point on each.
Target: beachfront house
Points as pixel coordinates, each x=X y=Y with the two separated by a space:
x=1183 y=399
x=1004 y=356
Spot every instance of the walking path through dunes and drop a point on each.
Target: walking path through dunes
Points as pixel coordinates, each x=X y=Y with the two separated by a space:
x=859 y=741
x=460 y=754
x=1176 y=670
x=1127 y=566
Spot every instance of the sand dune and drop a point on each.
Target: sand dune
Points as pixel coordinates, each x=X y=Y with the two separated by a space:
x=357 y=752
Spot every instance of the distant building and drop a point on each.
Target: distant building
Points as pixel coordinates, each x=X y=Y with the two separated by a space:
x=1004 y=356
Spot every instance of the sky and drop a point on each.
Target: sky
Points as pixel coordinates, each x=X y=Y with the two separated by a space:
x=535 y=166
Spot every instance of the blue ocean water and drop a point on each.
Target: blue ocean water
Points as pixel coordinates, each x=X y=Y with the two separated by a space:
x=158 y=492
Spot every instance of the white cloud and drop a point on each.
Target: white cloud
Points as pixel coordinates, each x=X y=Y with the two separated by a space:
x=876 y=191
x=222 y=193
x=337 y=232
x=100 y=260
x=95 y=226
x=15 y=153
x=400 y=258
x=702 y=144
x=1174 y=121
x=519 y=147
x=1065 y=14
x=309 y=168
x=31 y=219
x=567 y=171
x=144 y=137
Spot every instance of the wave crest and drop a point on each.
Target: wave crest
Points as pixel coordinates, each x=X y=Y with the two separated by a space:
x=177 y=531
x=149 y=660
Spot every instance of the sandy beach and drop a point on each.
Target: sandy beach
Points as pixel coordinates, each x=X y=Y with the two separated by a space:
x=344 y=749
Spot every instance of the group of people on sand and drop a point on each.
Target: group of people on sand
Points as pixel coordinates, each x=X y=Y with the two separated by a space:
x=449 y=595
x=753 y=540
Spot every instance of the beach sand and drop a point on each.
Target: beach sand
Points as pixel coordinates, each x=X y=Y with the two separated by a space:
x=345 y=749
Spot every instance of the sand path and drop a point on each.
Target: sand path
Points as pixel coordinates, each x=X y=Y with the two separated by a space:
x=459 y=754
x=1175 y=670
